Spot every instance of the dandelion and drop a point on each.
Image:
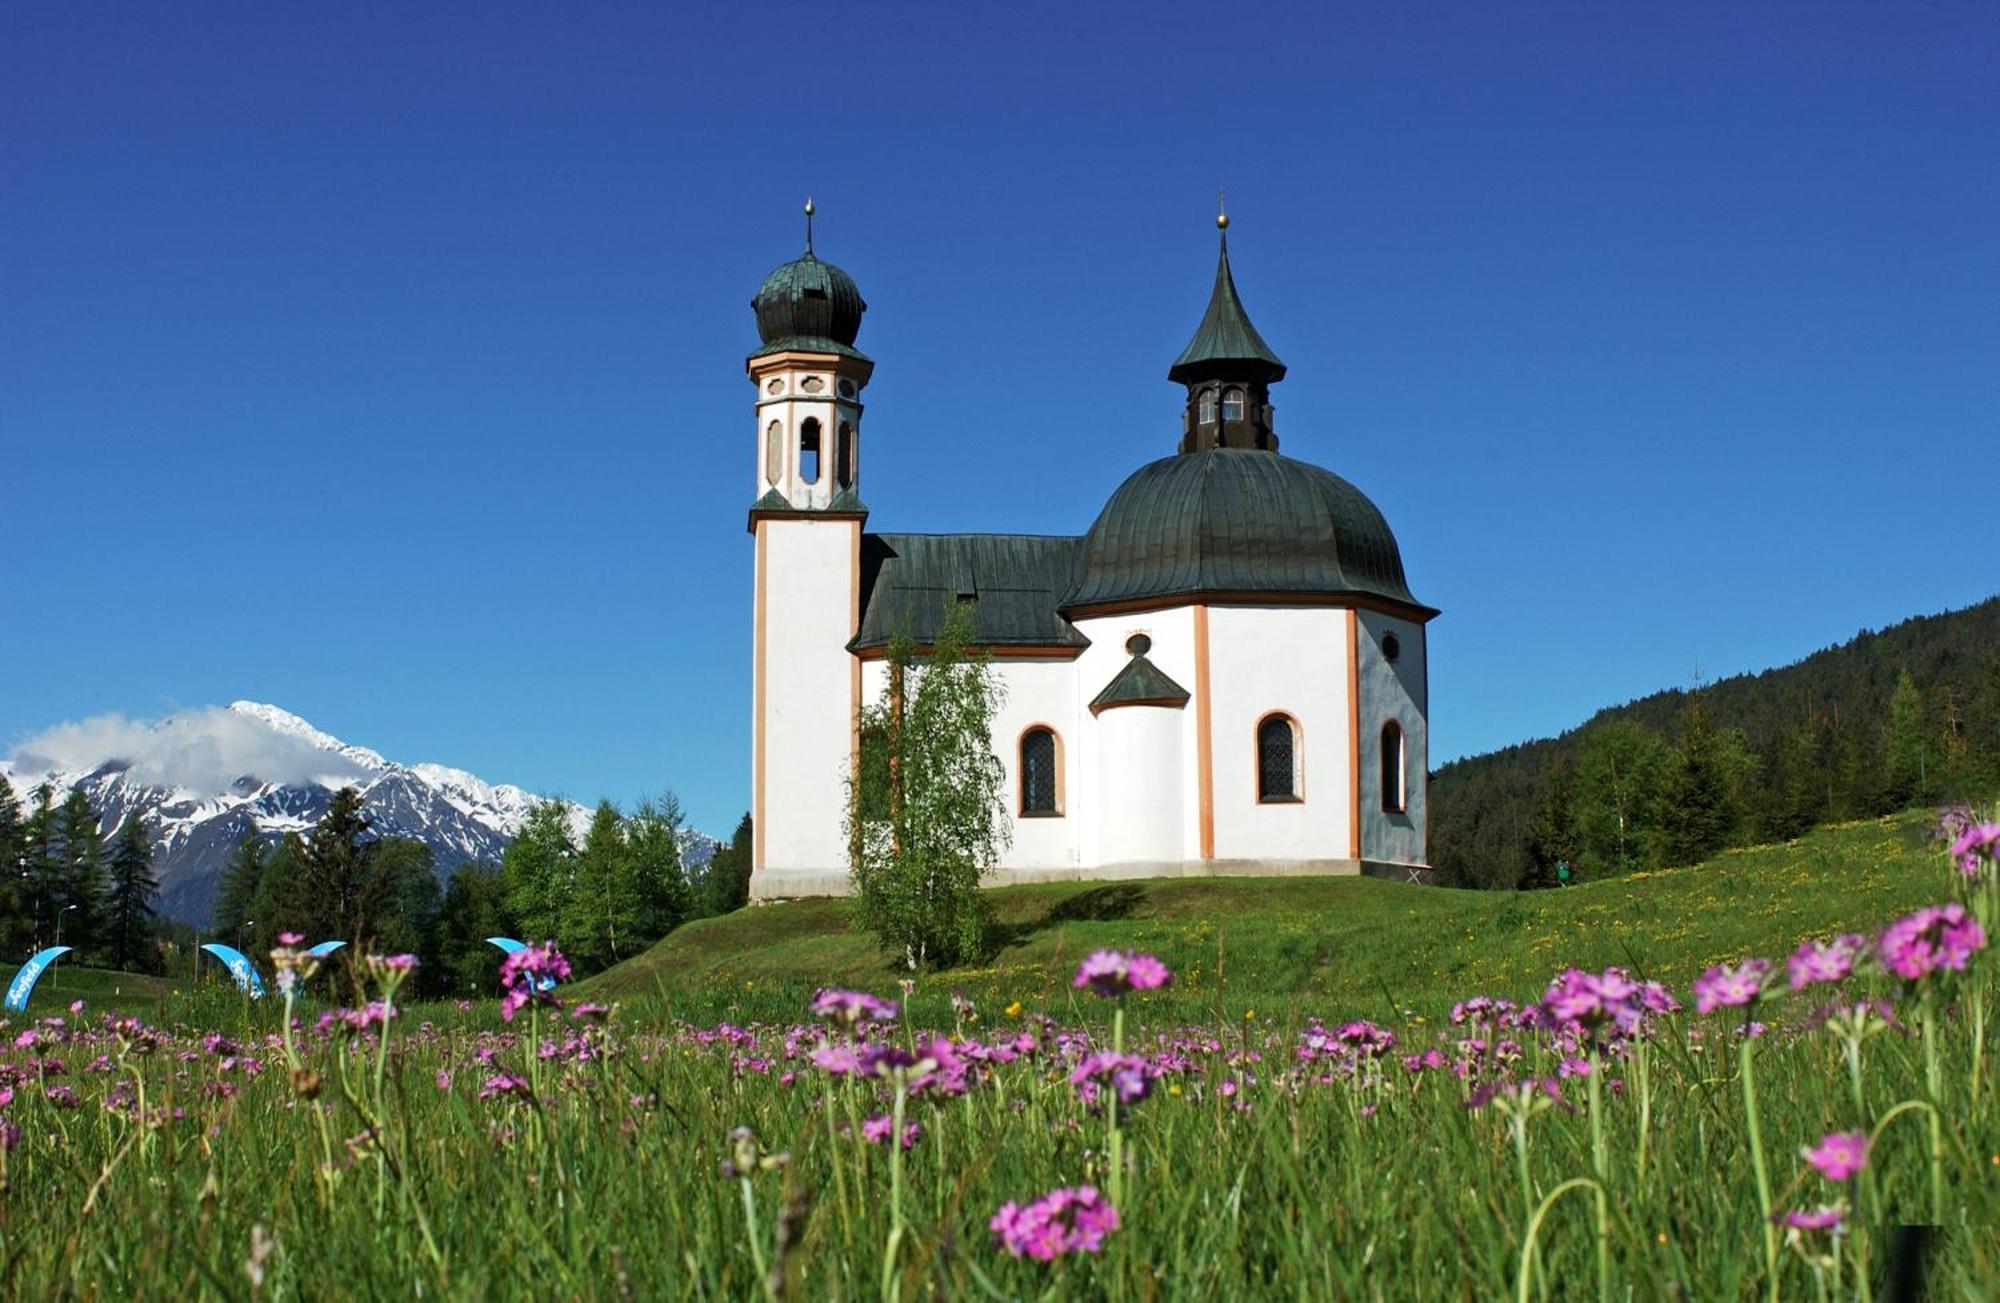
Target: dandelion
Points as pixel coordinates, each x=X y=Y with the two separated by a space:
x=1825 y=961
x=1935 y=937
x=1060 y=1222
x=1839 y=1154
x=1112 y=973
x=1726 y=987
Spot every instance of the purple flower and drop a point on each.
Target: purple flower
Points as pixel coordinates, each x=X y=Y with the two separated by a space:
x=1112 y=973
x=1127 y=1074
x=1839 y=1154
x=1935 y=937
x=1979 y=843
x=1724 y=987
x=1060 y=1222
x=6 y=1096
x=503 y=1084
x=443 y=1079
x=851 y=1007
x=876 y=1130
x=1825 y=961
x=530 y=973
x=1594 y=999
x=61 y=1096
x=1822 y=1219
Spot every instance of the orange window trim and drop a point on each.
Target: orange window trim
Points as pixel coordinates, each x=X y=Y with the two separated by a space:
x=1298 y=795
x=1021 y=775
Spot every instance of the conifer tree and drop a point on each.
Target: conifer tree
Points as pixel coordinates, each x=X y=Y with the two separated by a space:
x=80 y=889
x=728 y=885
x=538 y=871
x=1905 y=772
x=41 y=869
x=403 y=917
x=603 y=912
x=653 y=847
x=474 y=907
x=16 y=930
x=339 y=891
x=236 y=891
x=129 y=904
x=1552 y=841
x=1699 y=813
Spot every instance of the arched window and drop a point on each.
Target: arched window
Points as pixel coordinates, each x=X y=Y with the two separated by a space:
x=1278 y=759
x=1208 y=407
x=774 y=453
x=809 y=450
x=1394 y=792
x=1232 y=405
x=843 y=456
x=1041 y=780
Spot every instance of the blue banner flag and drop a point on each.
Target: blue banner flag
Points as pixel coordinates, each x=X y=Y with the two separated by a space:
x=24 y=981
x=239 y=968
x=325 y=948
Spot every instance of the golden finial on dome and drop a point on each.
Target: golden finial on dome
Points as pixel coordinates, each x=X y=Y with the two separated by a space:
x=809 y=223
x=1221 y=211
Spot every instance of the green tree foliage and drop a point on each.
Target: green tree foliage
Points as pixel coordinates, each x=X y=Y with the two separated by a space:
x=1552 y=835
x=941 y=821
x=79 y=892
x=1836 y=736
x=1618 y=783
x=16 y=915
x=281 y=901
x=128 y=925
x=405 y=889
x=728 y=883
x=1905 y=775
x=340 y=890
x=474 y=908
x=41 y=865
x=236 y=891
x=1699 y=814
x=538 y=871
x=603 y=911
x=653 y=844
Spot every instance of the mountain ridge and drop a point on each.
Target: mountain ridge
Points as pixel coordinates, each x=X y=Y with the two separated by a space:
x=195 y=776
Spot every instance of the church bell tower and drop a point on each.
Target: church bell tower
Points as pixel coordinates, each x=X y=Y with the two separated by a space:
x=806 y=520
x=1228 y=370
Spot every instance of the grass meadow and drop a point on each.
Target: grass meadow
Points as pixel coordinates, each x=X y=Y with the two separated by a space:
x=1302 y=1114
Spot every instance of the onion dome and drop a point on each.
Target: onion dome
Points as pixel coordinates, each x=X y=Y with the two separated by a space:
x=808 y=305
x=1238 y=523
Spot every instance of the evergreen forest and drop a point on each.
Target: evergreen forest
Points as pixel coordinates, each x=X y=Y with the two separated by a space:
x=1908 y=715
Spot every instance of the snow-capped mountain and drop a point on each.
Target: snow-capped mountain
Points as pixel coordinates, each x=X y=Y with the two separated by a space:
x=207 y=778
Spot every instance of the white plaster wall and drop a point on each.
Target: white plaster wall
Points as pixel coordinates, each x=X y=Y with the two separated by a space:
x=1172 y=632
x=807 y=734
x=1394 y=691
x=1140 y=785
x=1291 y=659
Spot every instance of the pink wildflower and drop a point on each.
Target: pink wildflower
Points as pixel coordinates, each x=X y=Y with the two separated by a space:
x=1933 y=938
x=851 y=1007
x=1128 y=1074
x=876 y=1130
x=530 y=973
x=1979 y=843
x=1112 y=973
x=1060 y=1222
x=1825 y=961
x=1822 y=1219
x=1724 y=987
x=1839 y=1154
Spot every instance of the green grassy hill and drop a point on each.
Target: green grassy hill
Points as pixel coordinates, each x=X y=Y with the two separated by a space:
x=1335 y=946
x=98 y=988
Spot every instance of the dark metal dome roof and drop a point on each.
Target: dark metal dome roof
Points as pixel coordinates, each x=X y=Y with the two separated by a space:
x=809 y=305
x=1238 y=522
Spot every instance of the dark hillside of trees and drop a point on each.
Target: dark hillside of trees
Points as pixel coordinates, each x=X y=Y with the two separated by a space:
x=1906 y=715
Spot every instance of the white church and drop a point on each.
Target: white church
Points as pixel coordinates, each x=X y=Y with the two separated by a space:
x=1225 y=674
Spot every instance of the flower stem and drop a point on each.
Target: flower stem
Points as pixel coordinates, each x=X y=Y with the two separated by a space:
x=1746 y=1052
x=1598 y=1164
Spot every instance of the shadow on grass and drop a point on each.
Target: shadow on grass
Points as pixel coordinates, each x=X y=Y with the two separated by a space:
x=1097 y=905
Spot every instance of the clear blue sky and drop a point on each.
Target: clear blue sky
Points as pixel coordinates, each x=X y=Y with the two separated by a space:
x=385 y=361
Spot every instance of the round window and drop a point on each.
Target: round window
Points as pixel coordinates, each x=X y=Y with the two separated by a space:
x=775 y=387
x=1138 y=644
x=812 y=384
x=847 y=389
x=1391 y=648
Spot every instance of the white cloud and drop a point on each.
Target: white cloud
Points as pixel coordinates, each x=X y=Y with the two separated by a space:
x=202 y=750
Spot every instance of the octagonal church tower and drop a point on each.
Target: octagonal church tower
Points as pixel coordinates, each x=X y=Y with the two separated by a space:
x=1226 y=674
